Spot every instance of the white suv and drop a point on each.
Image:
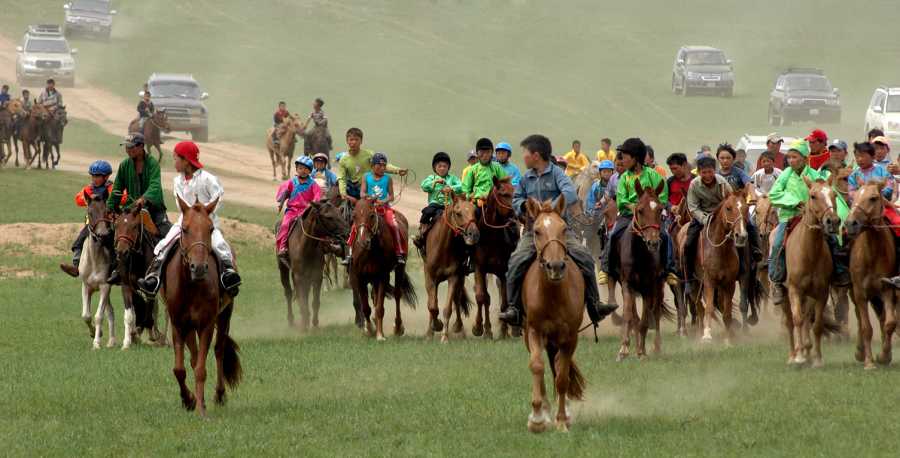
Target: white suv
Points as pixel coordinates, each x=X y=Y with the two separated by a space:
x=884 y=112
x=45 y=54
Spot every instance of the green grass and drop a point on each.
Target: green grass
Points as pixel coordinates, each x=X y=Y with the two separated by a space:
x=428 y=76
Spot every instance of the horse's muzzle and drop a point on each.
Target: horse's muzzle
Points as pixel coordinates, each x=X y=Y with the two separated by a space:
x=832 y=225
x=854 y=227
x=740 y=240
x=555 y=270
x=198 y=271
x=471 y=235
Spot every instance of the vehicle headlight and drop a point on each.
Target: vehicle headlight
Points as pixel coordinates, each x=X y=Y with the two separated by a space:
x=32 y=62
x=693 y=76
x=831 y=102
x=794 y=101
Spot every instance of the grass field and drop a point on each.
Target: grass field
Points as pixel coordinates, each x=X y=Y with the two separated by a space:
x=425 y=76
x=335 y=393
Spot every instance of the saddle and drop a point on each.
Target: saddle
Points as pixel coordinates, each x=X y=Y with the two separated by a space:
x=893 y=219
x=792 y=224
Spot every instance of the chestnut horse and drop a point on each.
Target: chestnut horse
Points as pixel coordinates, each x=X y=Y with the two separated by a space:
x=281 y=154
x=30 y=134
x=681 y=218
x=498 y=232
x=373 y=260
x=809 y=269
x=641 y=272
x=553 y=296
x=872 y=257
x=198 y=307
x=445 y=255
x=52 y=137
x=319 y=227
x=153 y=128
x=766 y=219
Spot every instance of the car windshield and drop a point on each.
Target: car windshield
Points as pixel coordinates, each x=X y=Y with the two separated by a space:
x=705 y=58
x=180 y=89
x=808 y=83
x=47 y=46
x=91 y=6
x=893 y=104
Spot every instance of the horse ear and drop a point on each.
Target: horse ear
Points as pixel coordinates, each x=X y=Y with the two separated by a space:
x=560 y=207
x=660 y=187
x=880 y=183
x=182 y=205
x=807 y=181
x=211 y=207
x=638 y=188
x=533 y=207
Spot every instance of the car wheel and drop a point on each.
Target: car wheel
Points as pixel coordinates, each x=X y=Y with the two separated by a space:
x=200 y=135
x=729 y=92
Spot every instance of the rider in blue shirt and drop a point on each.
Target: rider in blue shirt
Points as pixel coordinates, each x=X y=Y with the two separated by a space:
x=502 y=153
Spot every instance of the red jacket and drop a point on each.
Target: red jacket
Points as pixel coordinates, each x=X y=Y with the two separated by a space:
x=79 y=198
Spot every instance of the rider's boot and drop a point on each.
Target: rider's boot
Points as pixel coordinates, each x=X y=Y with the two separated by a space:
x=150 y=283
x=779 y=293
x=419 y=239
x=602 y=278
x=230 y=279
x=72 y=269
x=284 y=258
x=513 y=315
x=114 y=278
x=346 y=260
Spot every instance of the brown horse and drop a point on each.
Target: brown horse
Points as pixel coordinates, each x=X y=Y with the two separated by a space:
x=153 y=129
x=311 y=237
x=198 y=307
x=317 y=140
x=52 y=137
x=447 y=247
x=30 y=134
x=498 y=232
x=553 y=297
x=680 y=219
x=718 y=261
x=872 y=257
x=641 y=272
x=281 y=154
x=766 y=219
x=7 y=128
x=373 y=260
x=809 y=269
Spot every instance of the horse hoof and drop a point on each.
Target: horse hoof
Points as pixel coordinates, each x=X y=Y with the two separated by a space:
x=818 y=363
x=488 y=334
x=516 y=331
x=621 y=357
x=859 y=355
x=437 y=325
x=380 y=338
x=445 y=339
x=96 y=346
x=399 y=330
x=537 y=424
x=189 y=403
x=477 y=330
x=884 y=359
x=870 y=366
x=457 y=327
x=798 y=361
x=111 y=343
x=562 y=427
x=220 y=397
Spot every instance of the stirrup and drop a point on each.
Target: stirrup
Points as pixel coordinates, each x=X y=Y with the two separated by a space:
x=511 y=316
x=149 y=284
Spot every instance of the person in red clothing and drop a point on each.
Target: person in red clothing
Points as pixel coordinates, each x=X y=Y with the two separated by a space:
x=773 y=146
x=681 y=178
x=818 y=148
x=277 y=118
x=100 y=186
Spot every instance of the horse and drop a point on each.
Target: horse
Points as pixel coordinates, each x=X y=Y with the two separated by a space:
x=840 y=295
x=498 y=232
x=310 y=239
x=94 y=268
x=641 y=272
x=30 y=134
x=7 y=127
x=553 y=297
x=281 y=154
x=445 y=256
x=157 y=123
x=766 y=219
x=809 y=269
x=52 y=136
x=135 y=238
x=719 y=261
x=872 y=257
x=198 y=308
x=681 y=218
x=317 y=140
x=373 y=260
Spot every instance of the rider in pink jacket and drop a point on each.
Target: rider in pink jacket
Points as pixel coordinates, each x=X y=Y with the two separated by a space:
x=298 y=193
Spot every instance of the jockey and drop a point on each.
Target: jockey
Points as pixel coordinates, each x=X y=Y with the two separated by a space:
x=634 y=154
x=471 y=159
x=479 y=180
x=277 y=118
x=298 y=192
x=379 y=187
x=145 y=110
x=100 y=186
x=598 y=189
x=576 y=161
x=4 y=95
x=502 y=153
x=868 y=169
x=138 y=181
x=545 y=181
x=681 y=178
x=50 y=97
x=787 y=195
x=27 y=101
x=434 y=185
x=325 y=178
x=354 y=164
x=193 y=184
x=704 y=195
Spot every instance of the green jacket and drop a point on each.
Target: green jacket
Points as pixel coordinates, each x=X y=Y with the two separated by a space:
x=478 y=183
x=353 y=168
x=626 y=195
x=147 y=185
x=789 y=191
x=435 y=190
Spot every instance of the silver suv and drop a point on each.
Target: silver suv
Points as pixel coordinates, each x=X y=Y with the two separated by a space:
x=702 y=69
x=182 y=98
x=89 y=17
x=45 y=53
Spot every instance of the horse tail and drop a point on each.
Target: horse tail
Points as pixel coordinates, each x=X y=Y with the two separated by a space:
x=576 y=382
x=831 y=326
x=403 y=287
x=461 y=297
x=877 y=305
x=231 y=363
x=285 y=272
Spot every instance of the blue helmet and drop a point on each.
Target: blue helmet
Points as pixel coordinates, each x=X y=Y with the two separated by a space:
x=101 y=168
x=607 y=165
x=305 y=161
x=503 y=146
x=379 y=158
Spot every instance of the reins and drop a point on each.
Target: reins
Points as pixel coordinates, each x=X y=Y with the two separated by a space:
x=500 y=204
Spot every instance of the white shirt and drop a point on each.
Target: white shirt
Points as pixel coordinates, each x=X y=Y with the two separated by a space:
x=762 y=181
x=203 y=187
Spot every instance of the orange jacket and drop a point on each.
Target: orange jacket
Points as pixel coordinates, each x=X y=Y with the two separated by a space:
x=79 y=198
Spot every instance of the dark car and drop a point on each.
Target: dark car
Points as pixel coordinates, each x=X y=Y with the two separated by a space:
x=89 y=17
x=702 y=69
x=182 y=98
x=804 y=94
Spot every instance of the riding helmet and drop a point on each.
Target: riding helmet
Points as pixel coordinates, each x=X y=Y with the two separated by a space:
x=440 y=157
x=320 y=157
x=305 y=161
x=607 y=165
x=379 y=158
x=100 y=168
x=503 y=146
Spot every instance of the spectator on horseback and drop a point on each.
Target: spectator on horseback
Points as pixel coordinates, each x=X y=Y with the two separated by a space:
x=138 y=179
x=50 y=98
x=576 y=161
x=145 y=110
x=435 y=186
x=280 y=113
x=479 y=181
x=193 y=184
x=325 y=178
x=598 y=189
x=297 y=193
x=545 y=181
x=502 y=152
x=818 y=148
x=634 y=154
x=882 y=151
x=379 y=187
x=100 y=186
x=354 y=165
x=4 y=95
x=788 y=195
x=764 y=178
x=681 y=178
x=867 y=169
x=471 y=159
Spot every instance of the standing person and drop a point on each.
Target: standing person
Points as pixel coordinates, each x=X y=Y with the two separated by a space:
x=773 y=146
x=576 y=161
x=680 y=181
x=4 y=95
x=277 y=118
x=434 y=186
x=318 y=141
x=737 y=178
x=193 y=183
x=818 y=148
x=325 y=178
x=479 y=180
x=599 y=188
x=503 y=151
x=605 y=152
x=544 y=181
x=651 y=162
x=764 y=178
x=838 y=150
x=145 y=110
x=50 y=98
x=297 y=193
x=355 y=164
x=867 y=169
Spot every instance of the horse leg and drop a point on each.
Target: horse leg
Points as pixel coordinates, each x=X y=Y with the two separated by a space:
x=538 y=419
x=316 y=300
x=303 y=303
x=864 y=329
x=86 y=309
x=98 y=320
x=709 y=309
x=431 y=287
x=379 y=310
x=399 y=330
x=364 y=309
x=187 y=399
x=129 y=317
x=726 y=299
x=452 y=283
x=199 y=362
x=797 y=318
x=105 y=291
x=563 y=363
x=504 y=304
x=643 y=324
x=888 y=328
x=818 y=329
x=480 y=301
x=627 y=317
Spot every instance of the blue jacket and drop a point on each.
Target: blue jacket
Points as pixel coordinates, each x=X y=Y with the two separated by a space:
x=548 y=185
x=513 y=172
x=598 y=189
x=330 y=178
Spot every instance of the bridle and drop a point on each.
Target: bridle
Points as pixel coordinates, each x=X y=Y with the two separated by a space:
x=540 y=250
x=92 y=226
x=496 y=199
x=133 y=241
x=307 y=234
x=728 y=223
x=638 y=228
x=457 y=229
x=185 y=252
x=808 y=210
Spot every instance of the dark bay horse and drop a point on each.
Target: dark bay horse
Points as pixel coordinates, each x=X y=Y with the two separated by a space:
x=319 y=227
x=52 y=137
x=7 y=128
x=498 y=232
x=872 y=257
x=445 y=255
x=680 y=219
x=152 y=131
x=30 y=134
x=198 y=308
x=766 y=219
x=641 y=272
x=553 y=296
x=373 y=260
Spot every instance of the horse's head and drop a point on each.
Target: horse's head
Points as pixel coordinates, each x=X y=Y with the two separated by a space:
x=549 y=236
x=461 y=217
x=766 y=216
x=329 y=220
x=502 y=194
x=365 y=220
x=821 y=205
x=196 y=236
x=16 y=107
x=840 y=181
x=647 y=214
x=99 y=223
x=128 y=230
x=868 y=207
x=734 y=213
x=39 y=113
x=61 y=116
x=161 y=119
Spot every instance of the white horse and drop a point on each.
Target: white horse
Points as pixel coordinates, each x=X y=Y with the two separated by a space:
x=93 y=271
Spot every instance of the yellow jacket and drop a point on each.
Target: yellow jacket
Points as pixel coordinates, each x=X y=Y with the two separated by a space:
x=603 y=156
x=575 y=163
